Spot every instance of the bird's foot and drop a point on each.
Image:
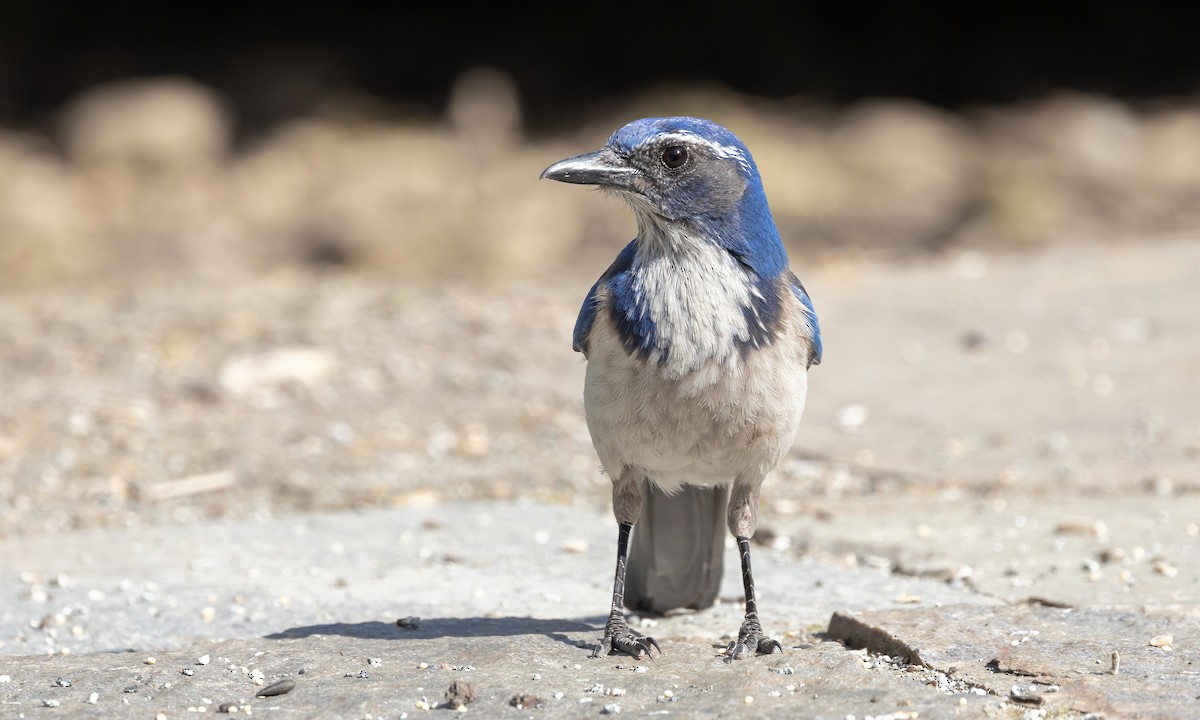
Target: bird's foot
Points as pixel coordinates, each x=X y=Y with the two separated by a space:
x=618 y=637
x=751 y=638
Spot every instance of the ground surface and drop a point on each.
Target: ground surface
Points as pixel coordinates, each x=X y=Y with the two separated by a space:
x=995 y=487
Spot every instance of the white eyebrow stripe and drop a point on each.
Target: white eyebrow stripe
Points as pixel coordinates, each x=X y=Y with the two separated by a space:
x=720 y=150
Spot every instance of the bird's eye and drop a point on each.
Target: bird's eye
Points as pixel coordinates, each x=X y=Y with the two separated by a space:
x=675 y=157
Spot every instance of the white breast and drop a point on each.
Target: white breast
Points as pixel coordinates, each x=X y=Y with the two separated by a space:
x=710 y=413
x=695 y=293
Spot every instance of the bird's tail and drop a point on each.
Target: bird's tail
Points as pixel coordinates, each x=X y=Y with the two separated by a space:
x=678 y=545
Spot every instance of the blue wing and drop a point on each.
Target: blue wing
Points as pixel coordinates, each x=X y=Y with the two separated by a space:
x=814 y=356
x=591 y=304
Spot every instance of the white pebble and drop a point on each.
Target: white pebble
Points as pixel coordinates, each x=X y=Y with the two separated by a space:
x=575 y=546
x=203 y=659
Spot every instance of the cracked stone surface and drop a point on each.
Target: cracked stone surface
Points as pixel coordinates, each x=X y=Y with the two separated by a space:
x=506 y=590
x=323 y=593
x=1054 y=658
x=1141 y=549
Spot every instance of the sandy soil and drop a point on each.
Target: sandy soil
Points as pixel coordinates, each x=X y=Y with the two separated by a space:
x=1074 y=369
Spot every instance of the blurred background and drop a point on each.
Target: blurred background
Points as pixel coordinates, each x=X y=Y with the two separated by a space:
x=270 y=257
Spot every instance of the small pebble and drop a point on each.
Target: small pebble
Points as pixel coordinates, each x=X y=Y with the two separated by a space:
x=280 y=687
x=130 y=689
x=51 y=703
x=150 y=661
x=783 y=670
x=641 y=668
x=1166 y=569
x=375 y=662
x=227 y=708
x=411 y=623
x=615 y=692
x=62 y=682
x=524 y=701
x=1162 y=641
x=5 y=678
x=203 y=659
x=93 y=698
x=558 y=695
x=611 y=709
x=749 y=699
x=575 y=546
x=460 y=694
x=188 y=671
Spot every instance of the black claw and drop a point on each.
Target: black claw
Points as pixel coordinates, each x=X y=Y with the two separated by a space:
x=768 y=646
x=636 y=645
x=751 y=637
x=618 y=637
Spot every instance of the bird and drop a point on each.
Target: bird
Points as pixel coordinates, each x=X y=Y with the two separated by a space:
x=698 y=339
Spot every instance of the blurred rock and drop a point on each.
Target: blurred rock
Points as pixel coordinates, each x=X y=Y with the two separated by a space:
x=156 y=124
x=911 y=172
x=44 y=225
x=484 y=107
x=150 y=184
x=243 y=375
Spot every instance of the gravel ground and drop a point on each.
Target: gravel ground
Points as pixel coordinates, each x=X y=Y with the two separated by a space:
x=1069 y=370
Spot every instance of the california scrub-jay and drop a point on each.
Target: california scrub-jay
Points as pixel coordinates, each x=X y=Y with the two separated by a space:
x=698 y=340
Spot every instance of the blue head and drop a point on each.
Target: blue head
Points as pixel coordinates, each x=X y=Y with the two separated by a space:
x=691 y=172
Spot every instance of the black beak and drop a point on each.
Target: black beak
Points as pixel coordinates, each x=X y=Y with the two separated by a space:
x=603 y=167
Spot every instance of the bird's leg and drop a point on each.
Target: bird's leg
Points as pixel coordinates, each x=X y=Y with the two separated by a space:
x=743 y=515
x=618 y=636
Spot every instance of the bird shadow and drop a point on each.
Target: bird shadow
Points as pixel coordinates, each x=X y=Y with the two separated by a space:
x=446 y=627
